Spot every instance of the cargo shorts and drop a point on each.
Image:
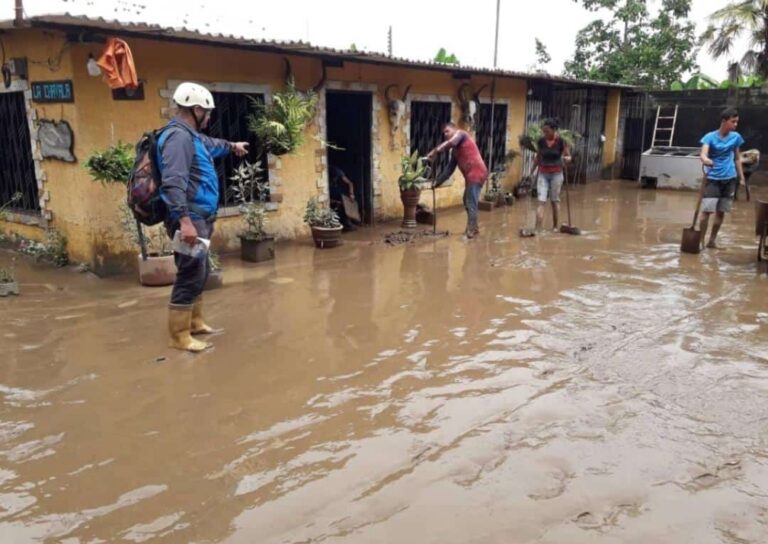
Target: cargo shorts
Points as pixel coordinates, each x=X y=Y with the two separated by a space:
x=718 y=195
x=548 y=186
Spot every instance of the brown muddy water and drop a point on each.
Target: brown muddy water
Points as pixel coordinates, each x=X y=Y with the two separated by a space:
x=559 y=389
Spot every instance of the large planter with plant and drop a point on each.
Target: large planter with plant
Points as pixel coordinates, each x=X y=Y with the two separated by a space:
x=251 y=190
x=155 y=262
x=325 y=225
x=8 y=284
x=413 y=173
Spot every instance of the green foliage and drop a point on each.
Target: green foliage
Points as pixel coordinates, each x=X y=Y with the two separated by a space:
x=633 y=46
x=8 y=273
x=251 y=191
x=729 y=24
x=112 y=165
x=704 y=82
x=52 y=250
x=413 y=171
x=280 y=125
x=214 y=261
x=493 y=189
x=156 y=238
x=542 y=55
x=444 y=58
x=530 y=140
x=353 y=48
x=319 y=216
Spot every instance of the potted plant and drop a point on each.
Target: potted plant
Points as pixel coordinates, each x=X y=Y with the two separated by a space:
x=251 y=191
x=215 y=273
x=492 y=193
x=8 y=284
x=113 y=165
x=413 y=173
x=325 y=224
x=280 y=125
x=159 y=267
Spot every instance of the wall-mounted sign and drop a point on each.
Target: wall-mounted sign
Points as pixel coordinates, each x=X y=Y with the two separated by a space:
x=56 y=140
x=53 y=91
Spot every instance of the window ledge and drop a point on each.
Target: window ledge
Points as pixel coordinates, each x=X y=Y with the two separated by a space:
x=32 y=219
x=234 y=211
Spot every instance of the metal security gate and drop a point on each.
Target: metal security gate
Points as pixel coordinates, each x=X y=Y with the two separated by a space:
x=499 y=134
x=229 y=121
x=427 y=119
x=534 y=108
x=17 y=168
x=593 y=137
x=631 y=132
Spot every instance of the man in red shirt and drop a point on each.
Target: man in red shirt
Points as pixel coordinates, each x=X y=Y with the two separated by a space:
x=470 y=162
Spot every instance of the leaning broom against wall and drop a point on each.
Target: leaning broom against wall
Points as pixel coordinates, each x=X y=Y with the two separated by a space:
x=190 y=190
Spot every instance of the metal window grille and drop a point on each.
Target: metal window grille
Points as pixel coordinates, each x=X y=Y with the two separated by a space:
x=499 y=134
x=17 y=168
x=427 y=120
x=631 y=130
x=229 y=121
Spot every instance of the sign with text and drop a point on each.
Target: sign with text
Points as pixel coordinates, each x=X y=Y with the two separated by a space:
x=53 y=91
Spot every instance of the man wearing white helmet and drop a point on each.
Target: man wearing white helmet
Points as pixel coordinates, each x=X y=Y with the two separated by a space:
x=190 y=190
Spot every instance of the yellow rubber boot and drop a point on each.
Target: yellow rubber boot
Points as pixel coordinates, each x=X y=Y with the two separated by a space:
x=179 y=325
x=198 y=323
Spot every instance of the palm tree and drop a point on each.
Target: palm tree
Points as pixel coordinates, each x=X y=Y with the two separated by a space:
x=730 y=23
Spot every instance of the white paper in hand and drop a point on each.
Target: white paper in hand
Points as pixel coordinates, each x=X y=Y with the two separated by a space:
x=199 y=248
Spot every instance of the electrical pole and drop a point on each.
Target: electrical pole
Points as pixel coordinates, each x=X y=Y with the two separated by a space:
x=493 y=89
x=19 y=18
x=389 y=40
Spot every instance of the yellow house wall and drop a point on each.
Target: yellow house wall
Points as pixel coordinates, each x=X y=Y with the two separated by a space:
x=88 y=213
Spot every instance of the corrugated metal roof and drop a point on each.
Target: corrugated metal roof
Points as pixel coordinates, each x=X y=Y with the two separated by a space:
x=148 y=30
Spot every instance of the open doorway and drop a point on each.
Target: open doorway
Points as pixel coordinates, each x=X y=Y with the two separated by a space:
x=349 y=135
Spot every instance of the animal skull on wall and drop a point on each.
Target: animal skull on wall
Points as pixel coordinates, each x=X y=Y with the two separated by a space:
x=290 y=80
x=470 y=104
x=396 y=109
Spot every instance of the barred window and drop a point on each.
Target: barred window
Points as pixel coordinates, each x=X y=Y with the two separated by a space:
x=427 y=119
x=17 y=168
x=499 y=134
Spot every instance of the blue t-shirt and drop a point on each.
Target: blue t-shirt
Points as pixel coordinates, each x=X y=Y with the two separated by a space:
x=721 y=153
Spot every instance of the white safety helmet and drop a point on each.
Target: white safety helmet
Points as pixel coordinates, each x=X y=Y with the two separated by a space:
x=189 y=95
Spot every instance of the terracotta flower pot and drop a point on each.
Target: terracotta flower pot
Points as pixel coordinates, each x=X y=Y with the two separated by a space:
x=157 y=271
x=326 y=238
x=410 y=200
x=257 y=250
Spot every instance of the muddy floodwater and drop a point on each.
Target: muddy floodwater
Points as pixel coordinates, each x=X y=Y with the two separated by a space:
x=558 y=389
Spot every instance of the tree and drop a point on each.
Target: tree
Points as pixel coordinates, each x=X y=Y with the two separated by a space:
x=729 y=24
x=444 y=58
x=542 y=55
x=634 y=47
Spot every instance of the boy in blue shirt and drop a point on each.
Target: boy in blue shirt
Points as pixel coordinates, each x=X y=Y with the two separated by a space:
x=720 y=154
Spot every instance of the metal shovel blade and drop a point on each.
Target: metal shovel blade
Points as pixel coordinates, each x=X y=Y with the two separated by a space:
x=527 y=233
x=568 y=229
x=691 y=241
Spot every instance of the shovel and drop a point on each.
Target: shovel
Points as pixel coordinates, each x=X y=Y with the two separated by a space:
x=691 y=237
x=569 y=228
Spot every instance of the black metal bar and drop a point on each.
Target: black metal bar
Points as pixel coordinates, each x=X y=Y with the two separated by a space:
x=17 y=167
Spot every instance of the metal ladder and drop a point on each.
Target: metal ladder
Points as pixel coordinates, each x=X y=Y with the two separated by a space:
x=660 y=132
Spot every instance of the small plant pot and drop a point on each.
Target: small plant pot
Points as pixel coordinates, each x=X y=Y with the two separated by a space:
x=509 y=199
x=326 y=238
x=9 y=288
x=410 y=202
x=215 y=280
x=485 y=205
x=257 y=250
x=157 y=271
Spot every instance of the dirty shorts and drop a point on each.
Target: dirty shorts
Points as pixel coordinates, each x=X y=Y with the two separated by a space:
x=548 y=186
x=718 y=195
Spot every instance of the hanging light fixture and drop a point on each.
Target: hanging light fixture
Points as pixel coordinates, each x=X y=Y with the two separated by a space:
x=93 y=68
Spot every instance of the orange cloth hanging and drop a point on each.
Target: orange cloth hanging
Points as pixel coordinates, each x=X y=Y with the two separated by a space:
x=116 y=63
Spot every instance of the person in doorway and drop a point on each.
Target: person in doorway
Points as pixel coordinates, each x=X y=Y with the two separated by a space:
x=720 y=154
x=470 y=163
x=552 y=155
x=340 y=185
x=190 y=190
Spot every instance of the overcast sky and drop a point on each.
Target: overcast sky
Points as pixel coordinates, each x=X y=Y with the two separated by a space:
x=420 y=27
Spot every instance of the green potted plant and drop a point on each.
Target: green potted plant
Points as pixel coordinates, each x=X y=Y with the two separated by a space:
x=113 y=166
x=215 y=273
x=325 y=224
x=159 y=268
x=280 y=124
x=256 y=245
x=413 y=172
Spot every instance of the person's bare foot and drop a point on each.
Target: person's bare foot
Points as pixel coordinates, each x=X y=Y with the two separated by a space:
x=712 y=245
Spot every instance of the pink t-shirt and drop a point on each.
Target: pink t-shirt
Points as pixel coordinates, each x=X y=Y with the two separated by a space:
x=468 y=157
